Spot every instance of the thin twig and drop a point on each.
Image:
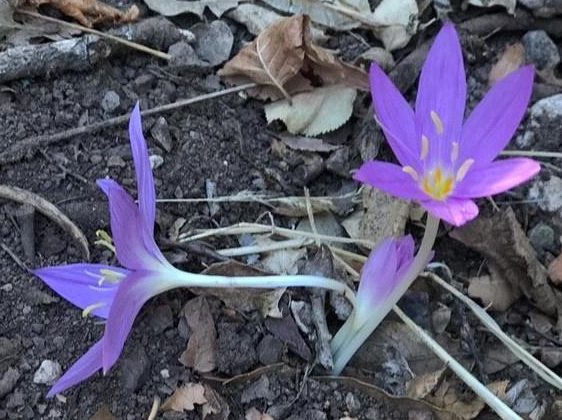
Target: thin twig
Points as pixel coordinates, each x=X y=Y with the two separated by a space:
x=532 y=153
x=492 y=326
x=154 y=409
x=14 y=257
x=32 y=144
x=130 y=44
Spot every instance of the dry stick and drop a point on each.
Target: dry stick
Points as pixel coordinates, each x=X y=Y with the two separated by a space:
x=32 y=144
x=129 y=44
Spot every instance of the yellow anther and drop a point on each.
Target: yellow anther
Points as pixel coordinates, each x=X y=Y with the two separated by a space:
x=455 y=152
x=411 y=171
x=437 y=122
x=424 y=147
x=461 y=173
x=89 y=309
x=110 y=276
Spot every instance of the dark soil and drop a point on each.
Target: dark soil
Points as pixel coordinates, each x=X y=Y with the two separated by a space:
x=227 y=141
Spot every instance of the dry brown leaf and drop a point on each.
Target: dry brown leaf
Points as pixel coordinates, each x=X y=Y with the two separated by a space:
x=512 y=58
x=254 y=414
x=511 y=257
x=216 y=406
x=244 y=300
x=90 y=12
x=284 y=61
x=103 y=413
x=201 y=352
x=185 y=397
x=555 y=270
x=421 y=386
x=448 y=396
x=495 y=293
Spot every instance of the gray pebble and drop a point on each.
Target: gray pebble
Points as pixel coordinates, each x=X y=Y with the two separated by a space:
x=542 y=238
x=110 y=101
x=541 y=50
x=48 y=372
x=115 y=161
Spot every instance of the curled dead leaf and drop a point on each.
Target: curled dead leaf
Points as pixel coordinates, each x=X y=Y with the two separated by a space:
x=185 y=398
x=201 y=352
x=89 y=12
x=283 y=61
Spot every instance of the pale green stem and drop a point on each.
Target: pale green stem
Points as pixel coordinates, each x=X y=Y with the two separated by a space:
x=185 y=279
x=478 y=387
x=354 y=332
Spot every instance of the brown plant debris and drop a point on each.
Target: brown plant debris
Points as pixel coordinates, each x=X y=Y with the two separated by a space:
x=284 y=61
x=88 y=12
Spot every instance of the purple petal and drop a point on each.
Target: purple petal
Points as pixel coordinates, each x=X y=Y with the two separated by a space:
x=396 y=117
x=132 y=294
x=145 y=180
x=85 y=367
x=456 y=211
x=80 y=284
x=134 y=244
x=442 y=92
x=378 y=276
x=389 y=178
x=405 y=251
x=494 y=120
x=497 y=177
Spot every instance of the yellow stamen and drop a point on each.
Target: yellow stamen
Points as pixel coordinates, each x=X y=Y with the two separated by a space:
x=437 y=122
x=424 y=147
x=411 y=171
x=110 y=276
x=461 y=173
x=455 y=152
x=437 y=184
x=89 y=309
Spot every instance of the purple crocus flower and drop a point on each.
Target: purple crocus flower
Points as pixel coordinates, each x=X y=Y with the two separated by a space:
x=381 y=284
x=444 y=164
x=146 y=273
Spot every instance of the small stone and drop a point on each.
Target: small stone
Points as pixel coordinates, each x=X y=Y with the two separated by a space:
x=542 y=238
x=352 y=403
x=165 y=373
x=178 y=192
x=134 y=368
x=440 y=319
x=8 y=287
x=161 y=133
x=37 y=328
x=9 y=381
x=551 y=356
x=213 y=41
x=547 y=194
x=15 y=400
x=258 y=390
x=338 y=162
x=58 y=341
x=161 y=319
x=110 y=101
x=95 y=159
x=156 y=161
x=143 y=83
x=115 y=161
x=541 y=50
x=270 y=350
x=48 y=372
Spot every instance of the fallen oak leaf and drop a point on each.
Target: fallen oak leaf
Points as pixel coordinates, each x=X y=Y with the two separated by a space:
x=185 y=397
x=313 y=113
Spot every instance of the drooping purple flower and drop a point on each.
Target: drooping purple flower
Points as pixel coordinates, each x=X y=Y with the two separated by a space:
x=444 y=164
x=116 y=293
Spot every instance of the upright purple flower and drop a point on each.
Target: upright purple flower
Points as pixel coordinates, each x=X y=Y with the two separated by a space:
x=444 y=164
x=94 y=287
x=383 y=281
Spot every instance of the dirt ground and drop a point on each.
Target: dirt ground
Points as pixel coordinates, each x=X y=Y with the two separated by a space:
x=226 y=141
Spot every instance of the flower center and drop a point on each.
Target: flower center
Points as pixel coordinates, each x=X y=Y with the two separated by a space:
x=439 y=181
x=437 y=184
